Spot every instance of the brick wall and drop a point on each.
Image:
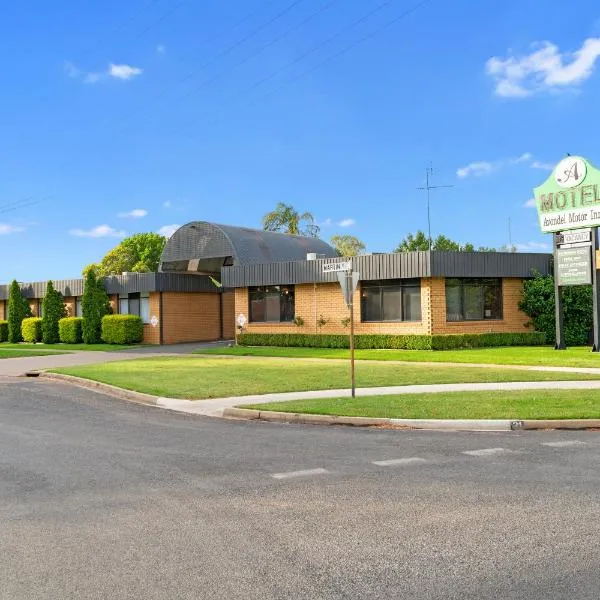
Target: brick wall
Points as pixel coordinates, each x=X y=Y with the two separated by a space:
x=191 y=317
x=2 y=310
x=327 y=301
x=513 y=320
x=152 y=334
x=229 y=315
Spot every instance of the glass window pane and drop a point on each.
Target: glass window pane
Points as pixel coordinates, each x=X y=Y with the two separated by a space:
x=371 y=304
x=411 y=304
x=257 y=305
x=392 y=303
x=145 y=309
x=123 y=306
x=287 y=303
x=472 y=303
x=78 y=307
x=272 y=306
x=453 y=304
x=134 y=304
x=492 y=301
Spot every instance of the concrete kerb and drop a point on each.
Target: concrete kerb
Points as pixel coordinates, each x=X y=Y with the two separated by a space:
x=195 y=407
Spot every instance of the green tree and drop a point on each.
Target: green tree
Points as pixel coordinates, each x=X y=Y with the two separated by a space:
x=419 y=241
x=347 y=245
x=94 y=305
x=18 y=309
x=286 y=219
x=139 y=253
x=538 y=304
x=54 y=311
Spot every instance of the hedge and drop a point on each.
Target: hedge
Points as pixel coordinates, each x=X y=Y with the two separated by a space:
x=3 y=331
x=31 y=330
x=122 y=329
x=394 y=342
x=70 y=330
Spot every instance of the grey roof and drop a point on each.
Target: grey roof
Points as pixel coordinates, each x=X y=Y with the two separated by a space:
x=122 y=284
x=402 y=265
x=206 y=247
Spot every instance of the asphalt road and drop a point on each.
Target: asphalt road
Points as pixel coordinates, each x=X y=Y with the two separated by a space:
x=100 y=499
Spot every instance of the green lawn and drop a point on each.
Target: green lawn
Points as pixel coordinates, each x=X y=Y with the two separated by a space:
x=18 y=353
x=516 y=355
x=67 y=347
x=197 y=377
x=530 y=404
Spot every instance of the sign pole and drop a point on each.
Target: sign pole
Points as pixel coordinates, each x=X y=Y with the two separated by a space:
x=558 y=308
x=595 y=290
x=352 y=370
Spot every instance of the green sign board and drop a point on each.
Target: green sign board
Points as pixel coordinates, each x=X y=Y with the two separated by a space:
x=570 y=197
x=574 y=266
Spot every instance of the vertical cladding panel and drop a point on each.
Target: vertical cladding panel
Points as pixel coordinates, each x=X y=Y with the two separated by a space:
x=152 y=334
x=191 y=317
x=228 y=315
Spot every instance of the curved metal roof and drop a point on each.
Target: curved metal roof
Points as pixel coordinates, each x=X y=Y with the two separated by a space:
x=206 y=247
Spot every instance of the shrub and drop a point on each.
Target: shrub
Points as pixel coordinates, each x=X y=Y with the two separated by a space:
x=31 y=330
x=54 y=311
x=3 y=331
x=95 y=306
x=538 y=304
x=70 y=330
x=122 y=329
x=18 y=309
x=393 y=342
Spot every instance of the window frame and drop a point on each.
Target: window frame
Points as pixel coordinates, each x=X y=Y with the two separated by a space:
x=380 y=285
x=472 y=282
x=266 y=289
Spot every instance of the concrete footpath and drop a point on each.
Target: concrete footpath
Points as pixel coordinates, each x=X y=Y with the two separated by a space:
x=13 y=367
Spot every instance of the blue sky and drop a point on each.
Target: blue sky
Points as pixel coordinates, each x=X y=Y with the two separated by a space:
x=117 y=120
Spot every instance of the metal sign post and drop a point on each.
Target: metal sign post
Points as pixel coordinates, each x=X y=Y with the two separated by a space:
x=595 y=290
x=348 y=283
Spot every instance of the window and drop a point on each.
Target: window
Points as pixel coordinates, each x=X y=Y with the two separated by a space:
x=135 y=304
x=272 y=304
x=145 y=307
x=40 y=308
x=123 y=304
x=473 y=299
x=78 y=307
x=391 y=300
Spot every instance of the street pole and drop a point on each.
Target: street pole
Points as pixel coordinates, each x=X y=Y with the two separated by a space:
x=428 y=188
x=558 y=307
x=595 y=290
x=352 y=371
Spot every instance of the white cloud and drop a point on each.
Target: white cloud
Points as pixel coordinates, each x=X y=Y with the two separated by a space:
x=93 y=77
x=536 y=164
x=5 y=229
x=475 y=168
x=71 y=70
x=530 y=203
x=167 y=204
x=545 y=68
x=525 y=157
x=347 y=222
x=161 y=49
x=532 y=246
x=136 y=213
x=168 y=230
x=123 y=71
x=98 y=232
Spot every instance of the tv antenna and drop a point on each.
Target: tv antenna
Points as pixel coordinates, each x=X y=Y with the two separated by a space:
x=428 y=187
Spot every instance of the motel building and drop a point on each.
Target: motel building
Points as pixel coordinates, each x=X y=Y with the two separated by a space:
x=212 y=274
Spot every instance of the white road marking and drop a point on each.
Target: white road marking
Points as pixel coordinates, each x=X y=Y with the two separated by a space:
x=563 y=444
x=398 y=461
x=304 y=473
x=488 y=452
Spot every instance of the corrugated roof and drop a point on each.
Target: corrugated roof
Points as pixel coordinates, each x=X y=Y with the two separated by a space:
x=210 y=245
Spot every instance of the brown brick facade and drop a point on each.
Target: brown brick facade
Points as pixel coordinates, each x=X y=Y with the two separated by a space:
x=228 y=315
x=151 y=333
x=191 y=317
x=325 y=299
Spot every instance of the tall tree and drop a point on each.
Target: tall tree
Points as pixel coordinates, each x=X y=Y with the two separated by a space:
x=94 y=305
x=18 y=309
x=347 y=245
x=54 y=311
x=419 y=241
x=139 y=253
x=286 y=219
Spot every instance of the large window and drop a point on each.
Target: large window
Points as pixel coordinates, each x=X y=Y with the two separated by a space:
x=135 y=304
x=473 y=299
x=391 y=300
x=272 y=304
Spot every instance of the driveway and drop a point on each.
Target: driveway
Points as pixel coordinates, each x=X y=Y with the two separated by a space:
x=106 y=499
x=10 y=367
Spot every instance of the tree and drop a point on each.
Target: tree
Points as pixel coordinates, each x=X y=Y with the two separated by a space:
x=538 y=304
x=54 y=311
x=412 y=243
x=286 y=219
x=419 y=241
x=139 y=253
x=18 y=309
x=347 y=245
x=94 y=305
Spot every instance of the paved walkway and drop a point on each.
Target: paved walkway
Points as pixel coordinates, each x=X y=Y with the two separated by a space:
x=215 y=408
x=13 y=367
